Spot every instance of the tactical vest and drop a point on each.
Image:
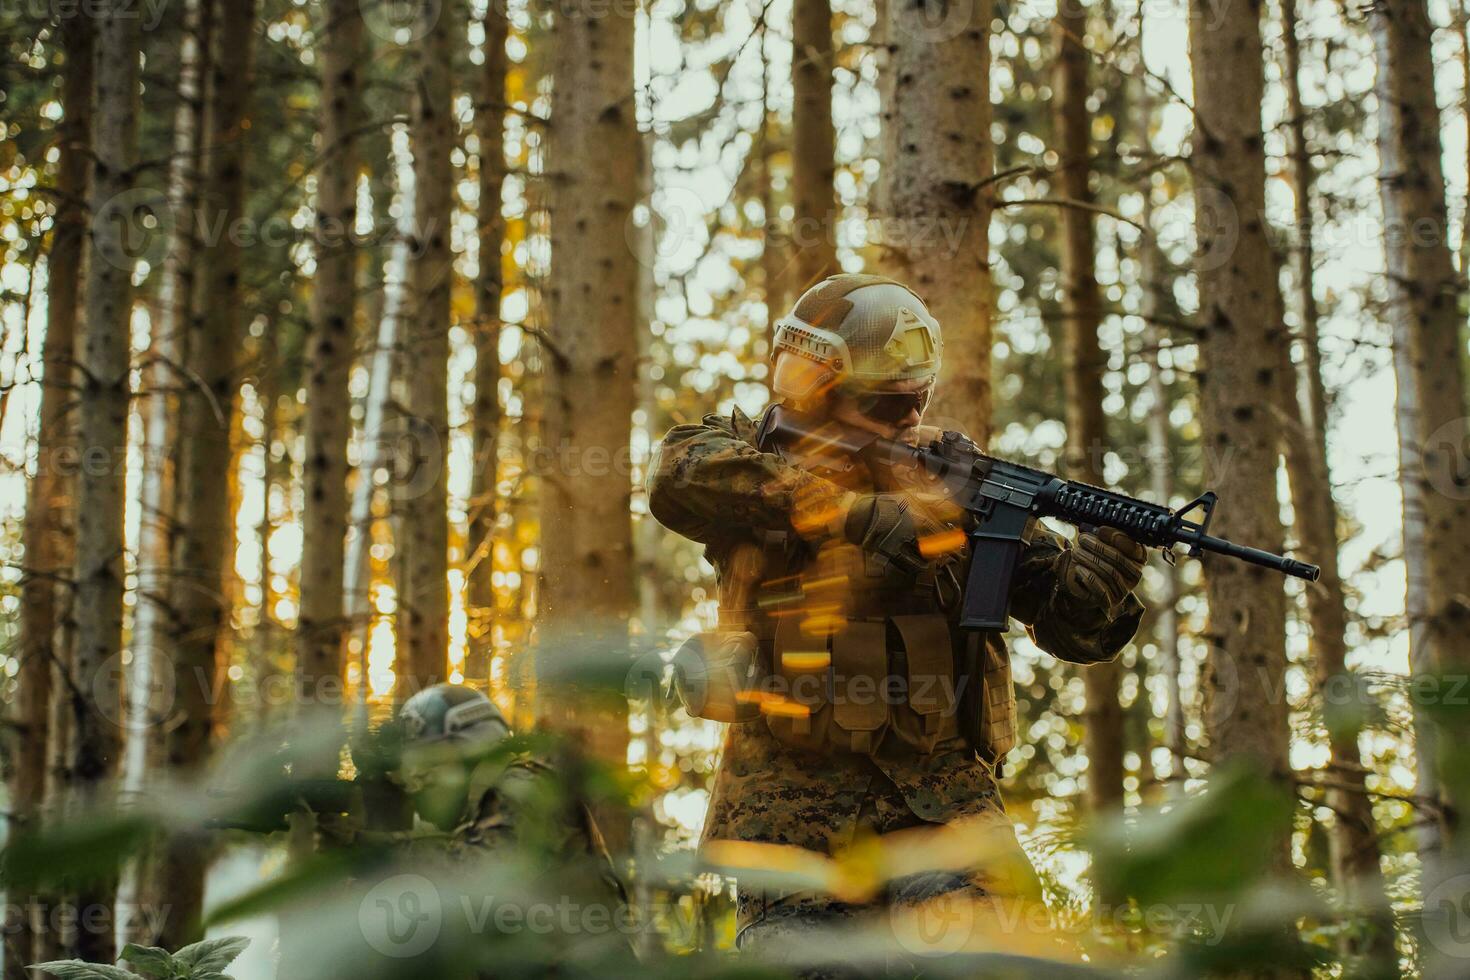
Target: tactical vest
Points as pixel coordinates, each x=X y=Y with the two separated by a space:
x=833 y=657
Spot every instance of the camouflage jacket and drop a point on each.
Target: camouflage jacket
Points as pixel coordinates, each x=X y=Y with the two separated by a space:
x=520 y=809
x=710 y=482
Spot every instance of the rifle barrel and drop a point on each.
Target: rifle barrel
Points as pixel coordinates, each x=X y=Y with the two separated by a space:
x=1256 y=556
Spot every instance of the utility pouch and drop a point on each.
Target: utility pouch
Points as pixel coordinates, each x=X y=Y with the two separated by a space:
x=998 y=726
x=989 y=700
x=923 y=708
x=859 y=679
x=716 y=674
x=797 y=708
x=846 y=690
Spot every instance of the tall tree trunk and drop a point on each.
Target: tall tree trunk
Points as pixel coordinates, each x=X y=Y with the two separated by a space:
x=813 y=154
x=1151 y=271
x=1161 y=485
x=205 y=540
x=586 y=524
x=168 y=353
x=357 y=577
x=160 y=412
x=263 y=643
x=424 y=593
x=1239 y=377
x=49 y=548
x=1354 y=837
x=1423 y=298
x=775 y=256
x=1462 y=27
x=106 y=387
x=485 y=413
x=1085 y=363
x=320 y=631
x=935 y=218
x=647 y=534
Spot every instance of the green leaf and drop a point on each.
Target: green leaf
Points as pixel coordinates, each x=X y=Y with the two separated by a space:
x=79 y=850
x=78 y=970
x=151 y=961
x=1209 y=846
x=302 y=878
x=210 y=955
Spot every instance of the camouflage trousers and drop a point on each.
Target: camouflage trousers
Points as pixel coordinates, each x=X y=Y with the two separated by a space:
x=786 y=928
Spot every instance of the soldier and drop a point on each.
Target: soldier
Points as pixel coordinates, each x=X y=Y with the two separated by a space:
x=520 y=813
x=831 y=574
x=458 y=782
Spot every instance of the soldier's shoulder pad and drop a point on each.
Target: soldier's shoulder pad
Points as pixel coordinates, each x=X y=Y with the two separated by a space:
x=736 y=424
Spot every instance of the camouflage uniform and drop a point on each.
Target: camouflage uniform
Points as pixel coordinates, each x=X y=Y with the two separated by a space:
x=710 y=482
x=490 y=800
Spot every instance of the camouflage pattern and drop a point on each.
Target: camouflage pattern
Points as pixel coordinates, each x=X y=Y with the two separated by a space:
x=501 y=797
x=711 y=483
x=518 y=806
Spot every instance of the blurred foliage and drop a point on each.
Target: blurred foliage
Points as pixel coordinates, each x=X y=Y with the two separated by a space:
x=715 y=97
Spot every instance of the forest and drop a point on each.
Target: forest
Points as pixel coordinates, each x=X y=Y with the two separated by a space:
x=339 y=341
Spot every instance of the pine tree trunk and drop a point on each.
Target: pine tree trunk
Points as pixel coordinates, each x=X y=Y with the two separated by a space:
x=263 y=643
x=320 y=631
x=49 y=549
x=813 y=155
x=774 y=242
x=1354 y=837
x=1085 y=363
x=935 y=218
x=169 y=351
x=356 y=577
x=586 y=526
x=1462 y=27
x=423 y=619
x=106 y=387
x=1423 y=308
x=1239 y=377
x=485 y=413
x=647 y=534
x=145 y=707
x=1161 y=485
x=1151 y=270
x=57 y=940
x=205 y=539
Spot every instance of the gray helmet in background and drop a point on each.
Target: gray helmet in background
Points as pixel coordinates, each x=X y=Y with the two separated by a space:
x=448 y=729
x=451 y=713
x=853 y=331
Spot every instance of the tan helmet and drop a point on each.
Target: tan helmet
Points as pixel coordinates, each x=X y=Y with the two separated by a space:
x=853 y=330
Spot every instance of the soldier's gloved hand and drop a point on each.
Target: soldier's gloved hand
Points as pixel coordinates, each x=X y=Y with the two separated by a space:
x=887 y=525
x=1102 y=567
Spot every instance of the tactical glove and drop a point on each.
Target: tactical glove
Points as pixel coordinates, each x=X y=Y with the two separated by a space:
x=1102 y=567
x=888 y=526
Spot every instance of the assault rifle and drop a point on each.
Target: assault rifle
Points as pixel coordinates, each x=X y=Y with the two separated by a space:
x=1000 y=497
